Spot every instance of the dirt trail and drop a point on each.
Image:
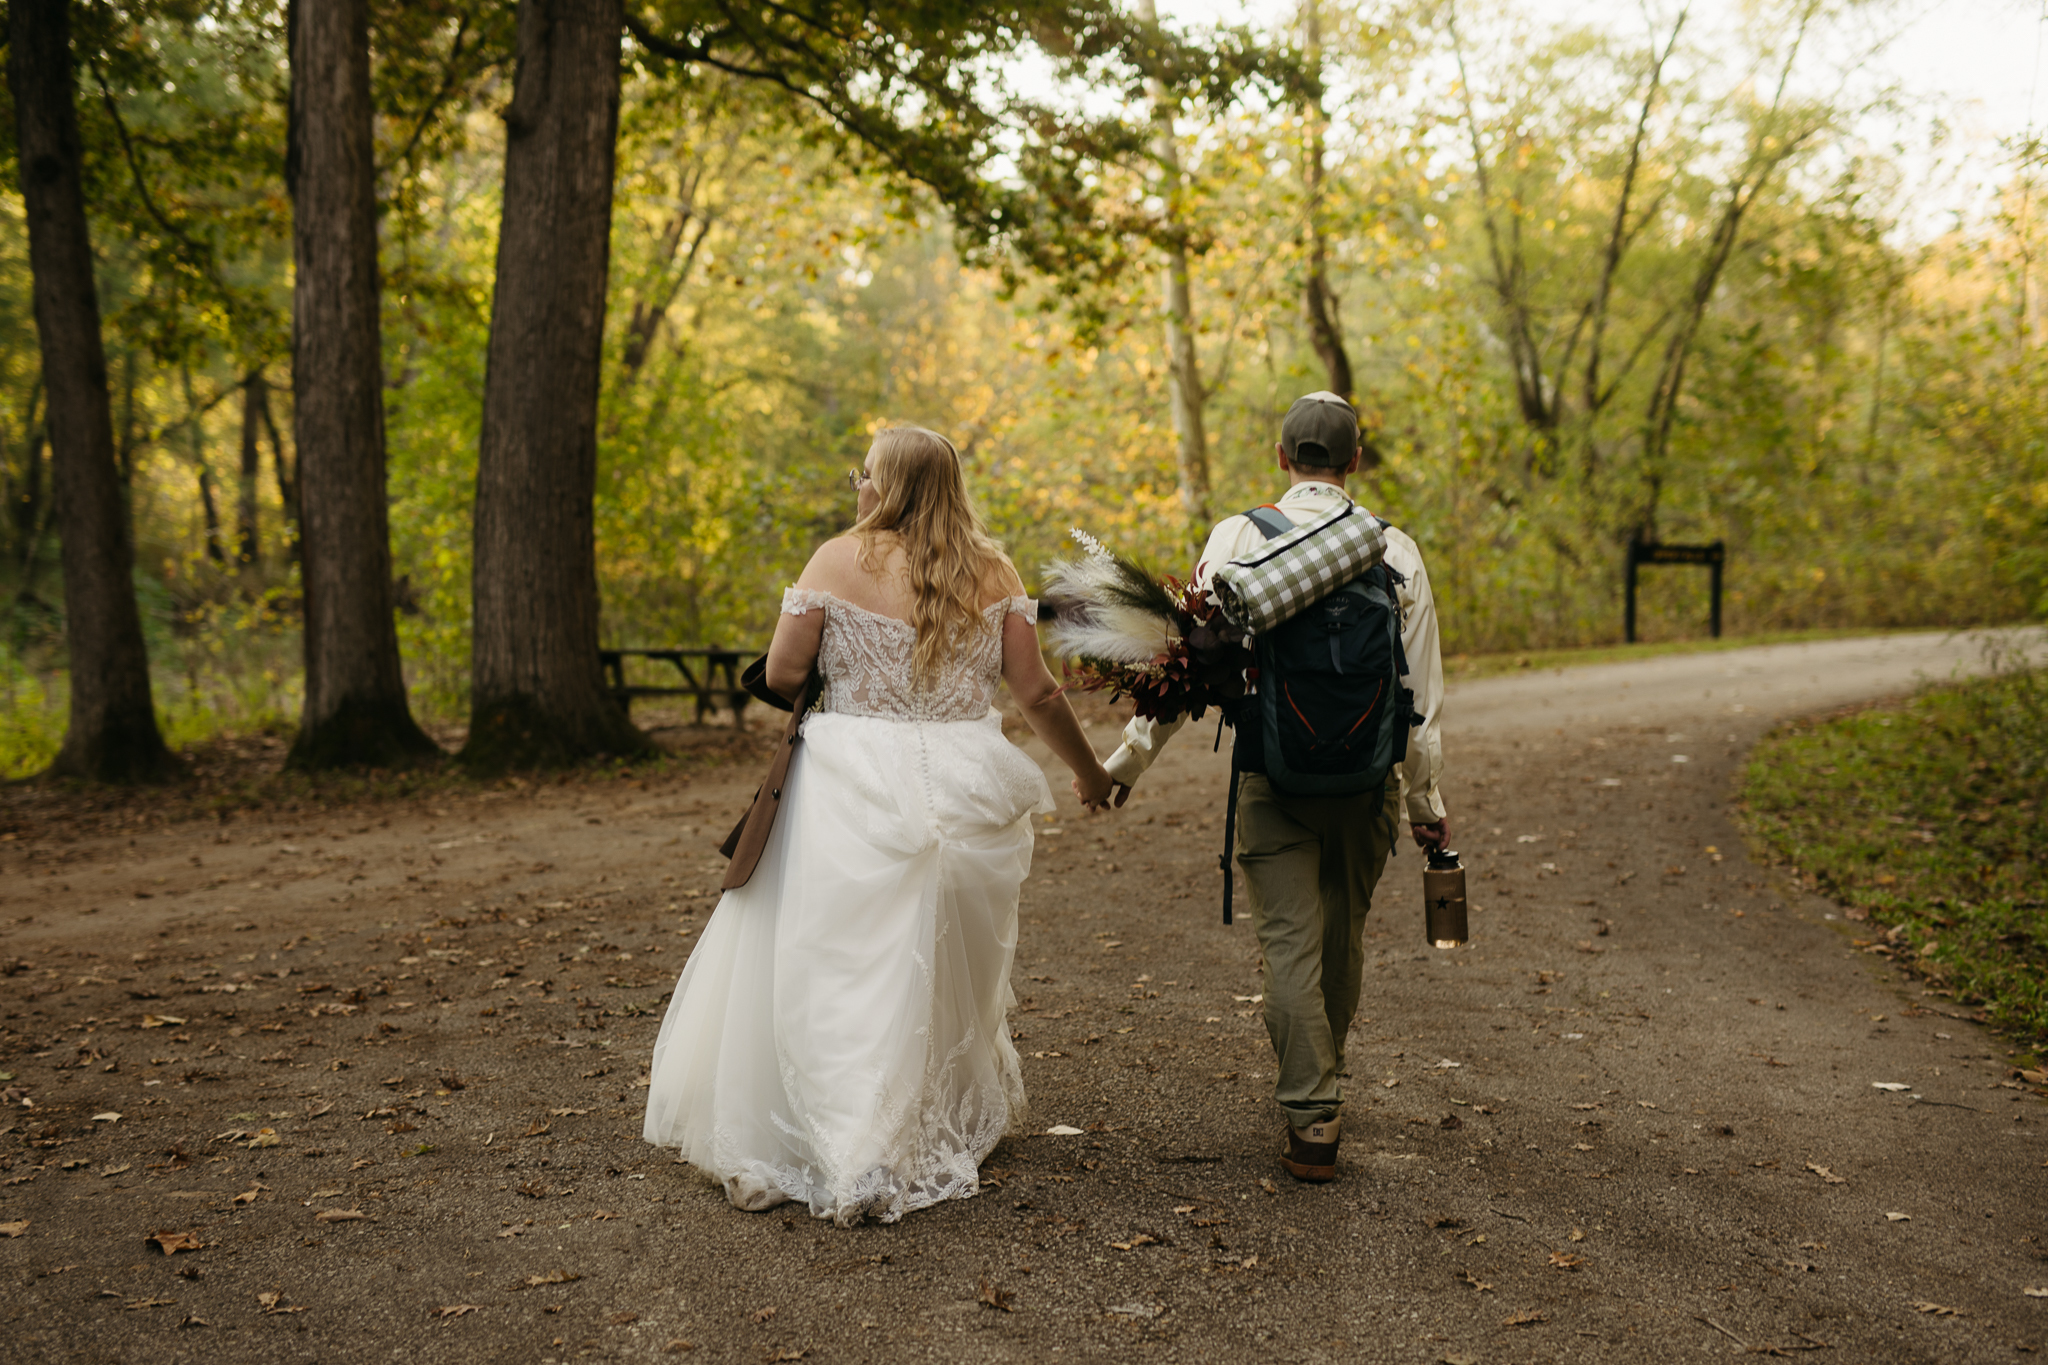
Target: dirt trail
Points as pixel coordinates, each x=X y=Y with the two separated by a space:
x=1636 y=1119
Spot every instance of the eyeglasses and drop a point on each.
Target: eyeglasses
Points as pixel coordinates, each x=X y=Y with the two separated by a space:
x=856 y=477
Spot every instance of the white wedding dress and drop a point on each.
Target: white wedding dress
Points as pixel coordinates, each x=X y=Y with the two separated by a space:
x=839 y=1035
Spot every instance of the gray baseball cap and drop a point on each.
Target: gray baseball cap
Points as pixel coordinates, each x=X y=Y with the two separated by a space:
x=1326 y=425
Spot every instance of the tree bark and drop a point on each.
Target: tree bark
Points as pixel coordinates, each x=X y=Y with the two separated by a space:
x=248 y=536
x=537 y=693
x=1183 y=363
x=1318 y=300
x=112 y=735
x=355 y=709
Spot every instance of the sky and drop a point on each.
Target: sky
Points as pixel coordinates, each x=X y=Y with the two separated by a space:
x=1975 y=65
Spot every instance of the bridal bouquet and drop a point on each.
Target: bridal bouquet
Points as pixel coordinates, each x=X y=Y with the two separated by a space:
x=1160 y=642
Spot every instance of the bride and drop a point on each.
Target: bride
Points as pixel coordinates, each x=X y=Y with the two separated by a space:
x=838 y=1037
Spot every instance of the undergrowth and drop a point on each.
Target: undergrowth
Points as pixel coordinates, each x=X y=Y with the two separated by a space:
x=1927 y=821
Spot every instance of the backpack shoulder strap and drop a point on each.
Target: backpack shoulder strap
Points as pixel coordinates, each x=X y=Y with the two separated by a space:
x=1271 y=521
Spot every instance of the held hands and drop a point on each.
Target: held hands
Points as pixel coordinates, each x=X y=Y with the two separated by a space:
x=1093 y=788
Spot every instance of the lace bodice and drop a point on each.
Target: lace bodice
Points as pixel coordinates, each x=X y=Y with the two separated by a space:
x=866 y=659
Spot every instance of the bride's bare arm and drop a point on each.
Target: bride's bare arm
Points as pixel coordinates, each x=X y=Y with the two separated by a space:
x=1045 y=709
x=793 y=653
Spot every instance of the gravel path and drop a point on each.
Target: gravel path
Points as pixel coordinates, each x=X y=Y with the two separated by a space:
x=382 y=1061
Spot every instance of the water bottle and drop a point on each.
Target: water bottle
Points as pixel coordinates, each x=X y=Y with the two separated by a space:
x=1443 y=899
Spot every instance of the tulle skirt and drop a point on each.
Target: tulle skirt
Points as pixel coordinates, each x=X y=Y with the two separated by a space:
x=839 y=1035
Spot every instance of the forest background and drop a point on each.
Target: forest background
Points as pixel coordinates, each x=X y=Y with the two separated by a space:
x=1585 y=289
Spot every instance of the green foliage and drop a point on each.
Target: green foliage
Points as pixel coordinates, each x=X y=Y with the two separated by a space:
x=1928 y=820
x=919 y=234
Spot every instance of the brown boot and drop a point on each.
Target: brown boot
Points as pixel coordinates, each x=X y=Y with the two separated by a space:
x=1311 y=1153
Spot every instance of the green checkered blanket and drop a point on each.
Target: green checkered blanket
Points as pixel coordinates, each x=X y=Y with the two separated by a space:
x=1290 y=573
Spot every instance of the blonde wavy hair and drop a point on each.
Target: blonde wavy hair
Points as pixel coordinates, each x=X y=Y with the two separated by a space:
x=925 y=507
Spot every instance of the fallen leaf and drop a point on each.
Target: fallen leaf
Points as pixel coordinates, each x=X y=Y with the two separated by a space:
x=533 y=1189
x=161 y=1020
x=761 y=1314
x=117 y=1170
x=1533 y=1316
x=265 y=1137
x=14 y=1229
x=1269 y=1187
x=996 y=1297
x=1827 y=1176
x=248 y=1196
x=108 y=1117
x=1936 y=1309
x=341 y=1216
x=556 y=1277
x=325 y=1194
x=568 y=1113
x=679 y=1346
x=1062 y=1130
x=603 y=1216
x=1898 y=1218
x=1889 y=1085
x=1143 y=1239
x=538 y=1128
x=457 y=1310
x=148 y=1303
x=170 y=1243
x=1563 y=1261
x=2036 y=1291
x=623 y=1319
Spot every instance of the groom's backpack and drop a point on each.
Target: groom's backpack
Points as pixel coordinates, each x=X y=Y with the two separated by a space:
x=1329 y=715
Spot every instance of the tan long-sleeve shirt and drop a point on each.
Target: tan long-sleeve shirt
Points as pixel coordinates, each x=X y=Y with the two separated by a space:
x=1424 y=763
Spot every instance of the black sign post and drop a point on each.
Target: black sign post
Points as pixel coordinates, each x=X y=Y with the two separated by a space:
x=1644 y=552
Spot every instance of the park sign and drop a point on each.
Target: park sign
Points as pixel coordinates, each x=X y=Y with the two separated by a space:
x=1642 y=552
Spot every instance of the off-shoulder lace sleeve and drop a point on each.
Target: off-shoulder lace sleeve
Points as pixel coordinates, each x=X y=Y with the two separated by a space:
x=1018 y=606
x=797 y=601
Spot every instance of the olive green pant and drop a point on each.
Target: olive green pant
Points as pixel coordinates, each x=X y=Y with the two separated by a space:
x=1310 y=865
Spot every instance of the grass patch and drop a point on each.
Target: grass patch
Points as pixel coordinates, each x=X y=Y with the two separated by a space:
x=1926 y=821
x=1465 y=667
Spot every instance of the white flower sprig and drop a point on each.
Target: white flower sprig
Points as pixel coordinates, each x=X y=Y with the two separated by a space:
x=1095 y=548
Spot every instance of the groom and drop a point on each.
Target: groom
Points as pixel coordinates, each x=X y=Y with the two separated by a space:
x=1311 y=863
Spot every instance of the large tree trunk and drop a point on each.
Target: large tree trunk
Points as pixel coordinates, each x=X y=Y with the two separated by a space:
x=1318 y=300
x=355 y=710
x=1183 y=364
x=113 y=735
x=537 y=694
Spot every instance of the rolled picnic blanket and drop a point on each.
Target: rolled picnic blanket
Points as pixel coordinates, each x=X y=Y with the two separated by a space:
x=1292 y=572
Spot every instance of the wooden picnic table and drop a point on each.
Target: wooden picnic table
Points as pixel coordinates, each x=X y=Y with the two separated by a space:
x=711 y=676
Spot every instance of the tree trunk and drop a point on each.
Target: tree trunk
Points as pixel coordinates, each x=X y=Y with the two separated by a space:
x=195 y=436
x=248 y=541
x=537 y=693
x=355 y=709
x=287 y=482
x=112 y=736
x=1318 y=300
x=1184 y=366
